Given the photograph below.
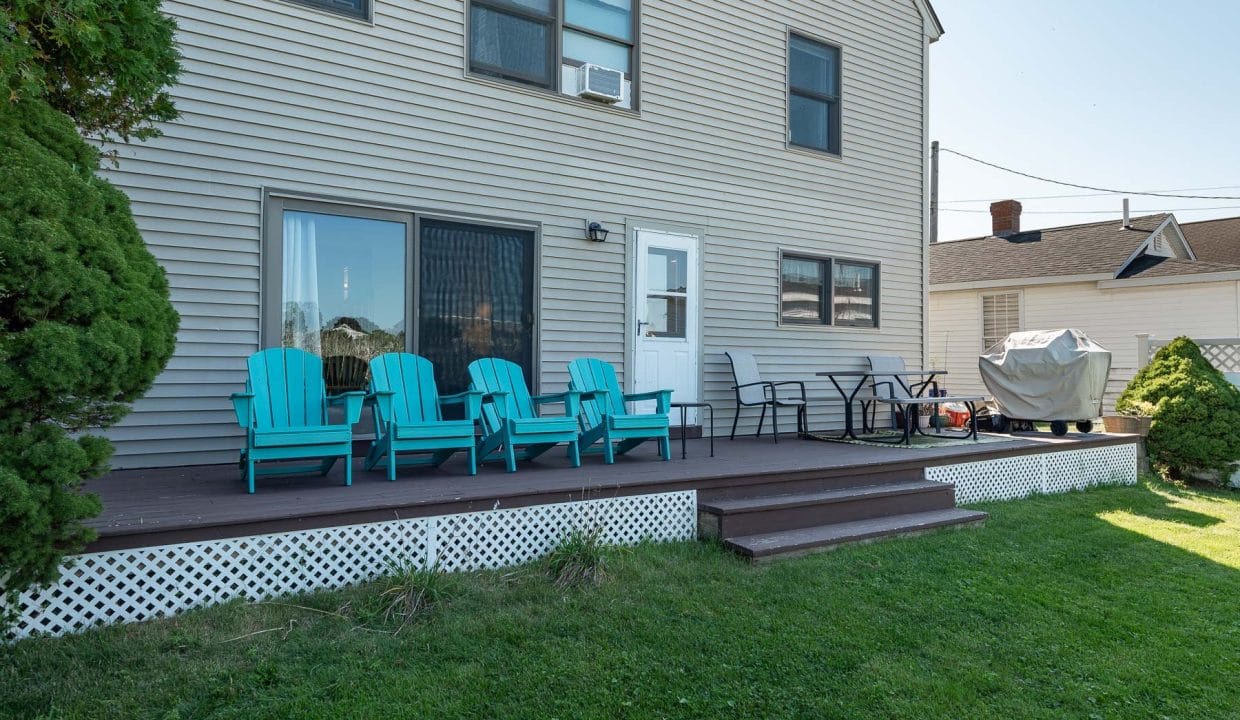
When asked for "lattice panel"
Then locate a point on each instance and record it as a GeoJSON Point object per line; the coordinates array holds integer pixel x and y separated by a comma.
{"type": "Point", "coordinates": [1224, 357]}
{"type": "Point", "coordinates": [144, 583]}
{"type": "Point", "coordinates": [1001, 479]}
{"type": "Point", "coordinates": [1054, 472]}
{"type": "Point", "coordinates": [1080, 469]}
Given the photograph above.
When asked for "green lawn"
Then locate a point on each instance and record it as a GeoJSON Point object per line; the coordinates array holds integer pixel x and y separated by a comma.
{"type": "Point", "coordinates": [1116, 603]}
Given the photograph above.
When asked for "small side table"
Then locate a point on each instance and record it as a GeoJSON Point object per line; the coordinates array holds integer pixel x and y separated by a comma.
{"type": "Point", "coordinates": [684, 415]}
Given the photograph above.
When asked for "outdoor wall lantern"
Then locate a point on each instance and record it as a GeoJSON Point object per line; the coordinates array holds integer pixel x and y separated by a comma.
{"type": "Point", "coordinates": [596, 232]}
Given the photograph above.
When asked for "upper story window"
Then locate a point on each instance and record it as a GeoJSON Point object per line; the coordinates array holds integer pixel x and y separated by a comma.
{"type": "Point", "coordinates": [541, 43]}
{"type": "Point", "coordinates": [823, 291]}
{"type": "Point", "coordinates": [813, 95]}
{"type": "Point", "coordinates": [353, 8]}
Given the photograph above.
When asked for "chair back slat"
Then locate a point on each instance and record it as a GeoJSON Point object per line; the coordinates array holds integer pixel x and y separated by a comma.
{"type": "Point", "coordinates": [887, 385]}
{"type": "Point", "coordinates": [490, 375]}
{"type": "Point", "coordinates": [412, 379]}
{"type": "Point", "coordinates": [288, 388]}
{"type": "Point", "coordinates": [744, 372]}
{"type": "Point", "coordinates": [591, 374]}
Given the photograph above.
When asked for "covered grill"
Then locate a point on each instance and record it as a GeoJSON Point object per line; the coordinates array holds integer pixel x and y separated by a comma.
{"type": "Point", "coordinates": [1054, 376]}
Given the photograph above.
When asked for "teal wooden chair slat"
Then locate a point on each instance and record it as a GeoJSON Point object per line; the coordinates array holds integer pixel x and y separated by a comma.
{"type": "Point", "coordinates": [510, 418]}
{"type": "Point", "coordinates": [605, 416]}
{"type": "Point", "coordinates": [408, 411]}
{"type": "Point", "coordinates": [284, 411]}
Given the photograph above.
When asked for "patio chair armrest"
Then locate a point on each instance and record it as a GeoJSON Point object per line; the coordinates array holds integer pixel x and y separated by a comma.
{"type": "Point", "coordinates": [662, 398]}
{"type": "Point", "coordinates": [351, 402]}
{"type": "Point", "coordinates": [570, 398]}
{"type": "Point", "coordinates": [243, 406]}
{"type": "Point", "coordinates": [381, 398]}
{"type": "Point", "coordinates": [891, 388]}
{"type": "Point", "coordinates": [798, 383]}
{"type": "Point", "coordinates": [752, 384]}
{"type": "Point", "coordinates": [471, 399]}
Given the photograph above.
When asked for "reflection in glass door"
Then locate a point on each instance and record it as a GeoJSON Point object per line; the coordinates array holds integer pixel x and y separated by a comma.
{"type": "Point", "coordinates": [343, 294]}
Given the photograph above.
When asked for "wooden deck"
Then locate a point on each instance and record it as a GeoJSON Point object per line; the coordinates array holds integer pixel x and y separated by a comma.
{"type": "Point", "coordinates": [169, 505]}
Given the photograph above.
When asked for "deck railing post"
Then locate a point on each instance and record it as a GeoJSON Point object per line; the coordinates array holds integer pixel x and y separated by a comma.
{"type": "Point", "coordinates": [1143, 350]}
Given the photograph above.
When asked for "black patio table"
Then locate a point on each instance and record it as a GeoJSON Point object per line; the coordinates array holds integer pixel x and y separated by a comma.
{"type": "Point", "coordinates": [862, 375]}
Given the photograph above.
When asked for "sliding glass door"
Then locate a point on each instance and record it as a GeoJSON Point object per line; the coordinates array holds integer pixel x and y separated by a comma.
{"type": "Point", "coordinates": [349, 283]}
{"type": "Point", "coordinates": [475, 299]}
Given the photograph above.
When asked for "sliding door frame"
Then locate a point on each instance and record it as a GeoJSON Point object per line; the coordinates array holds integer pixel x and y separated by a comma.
{"type": "Point", "coordinates": [271, 257]}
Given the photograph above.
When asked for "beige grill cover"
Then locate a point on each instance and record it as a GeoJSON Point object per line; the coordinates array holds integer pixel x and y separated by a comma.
{"type": "Point", "coordinates": [1047, 375]}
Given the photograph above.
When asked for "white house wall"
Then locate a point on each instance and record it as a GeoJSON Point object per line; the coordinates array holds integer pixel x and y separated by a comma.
{"type": "Point", "coordinates": [277, 95]}
{"type": "Point", "coordinates": [1111, 317]}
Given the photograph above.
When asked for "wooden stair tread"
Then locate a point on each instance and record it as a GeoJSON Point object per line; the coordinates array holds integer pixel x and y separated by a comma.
{"type": "Point", "coordinates": [825, 536]}
{"type": "Point", "coordinates": [821, 497]}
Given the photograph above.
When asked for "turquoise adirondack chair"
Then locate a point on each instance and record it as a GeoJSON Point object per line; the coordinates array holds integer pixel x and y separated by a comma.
{"type": "Point", "coordinates": [510, 418]}
{"type": "Point", "coordinates": [284, 413]}
{"type": "Point", "coordinates": [604, 415]}
{"type": "Point", "coordinates": [409, 415]}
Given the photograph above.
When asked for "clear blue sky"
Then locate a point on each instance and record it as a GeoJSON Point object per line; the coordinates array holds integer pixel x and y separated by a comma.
{"type": "Point", "coordinates": [1138, 95]}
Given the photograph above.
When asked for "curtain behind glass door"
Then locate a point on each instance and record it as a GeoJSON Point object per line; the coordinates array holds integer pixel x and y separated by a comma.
{"type": "Point", "coordinates": [476, 298]}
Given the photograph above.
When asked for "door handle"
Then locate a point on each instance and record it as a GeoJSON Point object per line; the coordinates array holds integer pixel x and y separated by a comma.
{"type": "Point", "coordinates": [640, 324]}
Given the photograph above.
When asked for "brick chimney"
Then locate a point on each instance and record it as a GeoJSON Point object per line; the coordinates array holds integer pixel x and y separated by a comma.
{"type": "Point", "coordinates": [1005, 218]}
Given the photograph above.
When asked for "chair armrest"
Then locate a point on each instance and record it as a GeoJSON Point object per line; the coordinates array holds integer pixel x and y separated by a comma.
{"type": "Point", "coordinates": [570, 398]}
{"type": "Point", "coordinates": [798, 383]}
{"type": "Point", "coordinates": [760, 382]}
{"type": "Point", "coordinates": [351, 402]}
{"type": "Point", "coordinates": [243, 406]}
{"type": "Point", "coordinates": [662, 398]}
{"type": "Point", "coordinates": [471, 399]}
{"type": "Point", "coordinates": [499, 399]}
{"type": "Point", "coordinates": [382, 398]}
{"type": "Point", "coordinates": [891, 388]}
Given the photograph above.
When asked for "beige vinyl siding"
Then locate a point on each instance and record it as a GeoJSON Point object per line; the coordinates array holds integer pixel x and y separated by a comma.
{"type": "Point", "coordinates": [279, 96]}
{"type": "Point", "coordinates": [1112, 317]}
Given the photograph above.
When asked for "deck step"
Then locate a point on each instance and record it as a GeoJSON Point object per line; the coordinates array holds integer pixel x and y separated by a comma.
{"type": "Point", "coordinates": [754, 515]}
{"type": "Point", "coordinates": [801, 541]}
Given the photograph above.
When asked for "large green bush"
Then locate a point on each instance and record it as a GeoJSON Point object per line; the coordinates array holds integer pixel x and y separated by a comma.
{"type": "Point", "coordinates": [107, 64]}
{"type": "Point", "coordinates": [1195, 410]}
{"type": "Point", "coordinates": [85, 326]}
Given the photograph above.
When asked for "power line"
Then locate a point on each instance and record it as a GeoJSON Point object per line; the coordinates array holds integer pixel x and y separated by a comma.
{"type": "Point", "coordinates": [1111, 211]}
{"type": "Point", "coordinates": [1085, 195]}
{"type": "Point", "coordinates": [1086, 187]}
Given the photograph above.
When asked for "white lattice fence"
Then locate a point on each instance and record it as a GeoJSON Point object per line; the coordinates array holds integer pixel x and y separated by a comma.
{"type": "Point", "coordinates": [1223, 353]}
{"type": "Point", "coordinates": [143, 583]}
{"type": "Point", "coordinates": [1054, 472]}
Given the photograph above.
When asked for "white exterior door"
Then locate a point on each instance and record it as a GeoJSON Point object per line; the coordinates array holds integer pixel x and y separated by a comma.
{"type": "Point", "coordinates": [665, 315]}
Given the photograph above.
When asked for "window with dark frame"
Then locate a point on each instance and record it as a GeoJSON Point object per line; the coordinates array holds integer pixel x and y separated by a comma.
{"type": "Point", "coordinates": [826, 291]}
{"type": "Point", "coordinates": [525, 41]}
{"type": "Point", "coordinates": [813, 94]}
{"type": "Point", "coordinates": [352, 8]}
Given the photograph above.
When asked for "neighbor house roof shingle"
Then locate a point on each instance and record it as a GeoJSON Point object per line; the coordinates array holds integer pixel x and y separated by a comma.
{"type": "Point", "coordinates": [1090, 249]}
{"type": "Point", "coordinates": [1214, 240]}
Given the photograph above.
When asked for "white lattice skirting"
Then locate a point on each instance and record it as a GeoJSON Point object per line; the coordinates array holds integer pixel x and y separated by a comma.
{"type": "Point", "coordinates": [1053, 472]}
{"type": "Point", "coordinates": [143, 583]}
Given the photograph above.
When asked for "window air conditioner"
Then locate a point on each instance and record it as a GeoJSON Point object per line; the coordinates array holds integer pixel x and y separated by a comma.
{"type": "Point", "coordinates": [600, 83]}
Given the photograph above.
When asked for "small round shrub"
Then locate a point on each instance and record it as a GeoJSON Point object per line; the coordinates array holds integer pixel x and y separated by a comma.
{"type": "Point", "coordinates": [1195, 411]}
{"type": "Point", "coordinates": [85, 326]}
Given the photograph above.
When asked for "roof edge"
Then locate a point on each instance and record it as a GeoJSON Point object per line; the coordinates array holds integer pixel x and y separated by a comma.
{"type": "Point", "coordinates": [931, 25]}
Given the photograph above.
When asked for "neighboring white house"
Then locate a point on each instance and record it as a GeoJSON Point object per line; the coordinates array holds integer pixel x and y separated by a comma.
{"type": "Point", "coordinates": [356, 176]}
{"type": "Point", "coordinates": [1111, 279]}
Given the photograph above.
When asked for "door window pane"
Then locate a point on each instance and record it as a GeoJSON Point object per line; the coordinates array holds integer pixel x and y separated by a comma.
{"type": "Point", "coordinates": [476, 298]}
{"type": "Point", "coordinates": [667, 271]}
{"type": "Point", "coordinates": [510, 46]}
{"type": "Point", "coordinates": [589, 49]}
{"type": "Point", "coordinates": [611, 17]}
{"type": "Point", "coordinates": [666, 316]}
{"type": "Point", "coordinates": [854, 295]}
{"type": "Point", "coordinates": [801, 290]}
{"type": "Point", "coordinates": [343, 292]}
